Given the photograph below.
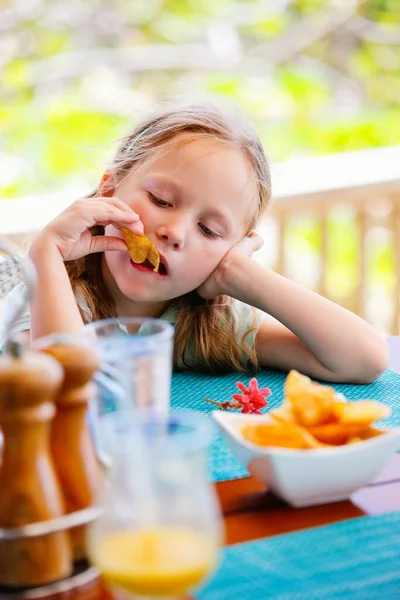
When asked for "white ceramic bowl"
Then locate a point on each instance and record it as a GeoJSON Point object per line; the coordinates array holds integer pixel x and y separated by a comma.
{"type": "Point", "coordinates": [307, 477]}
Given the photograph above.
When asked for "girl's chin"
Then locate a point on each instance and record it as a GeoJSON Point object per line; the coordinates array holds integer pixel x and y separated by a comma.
{"type": "Point", "coordinates": [136, 296]}
{"type": "Point", "coordinates": [149, 298]}
{"type": "Point", "coordinates": [139, 294]}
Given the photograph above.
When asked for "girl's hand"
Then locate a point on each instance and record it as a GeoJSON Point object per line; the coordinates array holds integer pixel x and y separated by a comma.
{"type": "Point", "coordinates": [69, 232]}
{"type": "Point", "coordinates": [220, 281]}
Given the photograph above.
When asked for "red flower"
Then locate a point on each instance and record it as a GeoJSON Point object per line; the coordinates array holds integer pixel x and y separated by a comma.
{"type": "Point", "coordinates": [251, 399]}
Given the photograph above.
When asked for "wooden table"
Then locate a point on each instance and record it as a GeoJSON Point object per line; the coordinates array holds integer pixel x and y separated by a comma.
{"type": "Point", "coordinates": [251, 512]}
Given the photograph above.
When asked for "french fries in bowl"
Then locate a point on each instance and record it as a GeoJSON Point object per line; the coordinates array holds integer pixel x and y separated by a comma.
{"type": "Point", "coordinates": [315, 447]}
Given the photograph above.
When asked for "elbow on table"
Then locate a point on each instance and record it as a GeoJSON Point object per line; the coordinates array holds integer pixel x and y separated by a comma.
{"type": "Point", "coordinates": [373, 362]}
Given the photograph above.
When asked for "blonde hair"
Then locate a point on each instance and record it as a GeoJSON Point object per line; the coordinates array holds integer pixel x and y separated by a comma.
{"type": "Point", "coordinates": [208, 326]}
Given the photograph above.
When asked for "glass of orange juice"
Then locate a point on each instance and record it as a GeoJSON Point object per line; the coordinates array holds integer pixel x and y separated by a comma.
{"type": "Point", "coordinates": [160, 530]}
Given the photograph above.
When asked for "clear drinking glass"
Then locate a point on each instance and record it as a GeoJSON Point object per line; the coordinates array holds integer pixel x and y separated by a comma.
{"type": "Point", "coordinates": [160, 529]}
{"type": "Point", "coordinates": [136, 369]}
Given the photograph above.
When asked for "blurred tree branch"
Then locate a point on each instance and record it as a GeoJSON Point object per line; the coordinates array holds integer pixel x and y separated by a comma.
{"type": "Point", "coordinates": [216, 55]}
{"type": "Point", "coordinates": [307, 31]}
{"type": "Point", "coordinates": [373, 32]}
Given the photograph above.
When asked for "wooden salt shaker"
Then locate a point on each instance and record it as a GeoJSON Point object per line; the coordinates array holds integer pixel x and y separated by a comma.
{"type": "Point", "coordinates": [29, 490]}
{"type": "Point", "coordinates": [75, 459]}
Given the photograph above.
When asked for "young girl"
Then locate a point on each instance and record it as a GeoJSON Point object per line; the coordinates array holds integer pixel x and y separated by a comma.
{"type": "Point", "coordinates": [196, 183]}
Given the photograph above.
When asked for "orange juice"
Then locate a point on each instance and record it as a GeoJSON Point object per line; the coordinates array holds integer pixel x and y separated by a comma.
{"type": "Point", "coordinates": [160, 562]}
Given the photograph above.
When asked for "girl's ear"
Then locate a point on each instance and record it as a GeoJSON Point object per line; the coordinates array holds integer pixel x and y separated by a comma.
{"type": "Point", "coordinates": [106, 185]}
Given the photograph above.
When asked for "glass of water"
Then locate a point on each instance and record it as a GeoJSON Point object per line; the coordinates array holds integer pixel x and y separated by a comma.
{"type": "Point", "coordinates": [135, 371]}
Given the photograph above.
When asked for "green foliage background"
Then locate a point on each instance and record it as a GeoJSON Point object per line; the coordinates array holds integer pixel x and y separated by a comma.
{"type": "Point", "coordinates": [340, 92]}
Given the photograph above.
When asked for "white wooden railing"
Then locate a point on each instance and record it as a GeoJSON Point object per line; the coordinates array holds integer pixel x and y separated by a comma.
{"type": "Point", "coordinates": [364, 186]}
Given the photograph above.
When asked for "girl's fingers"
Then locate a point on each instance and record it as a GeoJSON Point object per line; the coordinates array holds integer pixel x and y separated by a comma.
{"type": "Point", "coordinates": [256, 241]}
{"type": "Point", "coordinates": [100, 213]}
{"type": "Point", "coordinates": [132, 222]}
{"type": "Point", "coordinates": [114, 201]}
{"type": "Point", "coordinates": [102, 243]}
{"type": "Point", "coordinates": [135, 227]}
{"type": "Point", "coordinates": [251, 243]}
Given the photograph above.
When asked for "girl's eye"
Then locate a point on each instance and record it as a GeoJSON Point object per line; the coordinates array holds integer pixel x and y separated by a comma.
{"type": "Point", "coordinates": [157, 201]}
{"type": "Point", "coordinates": [207, 232]}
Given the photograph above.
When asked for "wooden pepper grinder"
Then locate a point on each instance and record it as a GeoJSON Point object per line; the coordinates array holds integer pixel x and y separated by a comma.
{"type": "Point", "coordinates": [29, 490]}
{"type": "Point", "coordinates": [75, 459]}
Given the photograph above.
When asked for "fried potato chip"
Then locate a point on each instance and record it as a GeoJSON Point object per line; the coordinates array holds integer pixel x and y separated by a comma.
{"type": "Point", "coordinates": [295, 384]}
{"type": "Point", "coordinates": [316, 416]}
{"type": "Point", "coordinates": [336, 434]}
{"type": "Point", "coordinates": [154, 257]}
{"type": "Point", "coordinates": [363, 412]}
{"type": "Point", "coordinates": [312, 403]}
{"type": "Point", "coordinates": [354, 440]}
{"type": "Point", "coordinates": [140, 248]}
{"type": "Point", "coordinates": [314, 406]}
{"type": "Point", "coordinates": [370, 432]}
{"type": "Point", "coordinates": [284, 413]}
{"type": "Point", "coordinates": [281, 435]}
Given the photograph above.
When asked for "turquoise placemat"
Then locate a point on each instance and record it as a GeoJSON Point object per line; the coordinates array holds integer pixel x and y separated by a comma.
{"type": "Point", "coordinates": [352, 560]}
{"type": "Point", "coordinates": [190, 389]}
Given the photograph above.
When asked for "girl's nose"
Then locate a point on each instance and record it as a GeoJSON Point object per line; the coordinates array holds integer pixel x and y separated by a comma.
{"type": "Point", "coordinates": [172, 234]}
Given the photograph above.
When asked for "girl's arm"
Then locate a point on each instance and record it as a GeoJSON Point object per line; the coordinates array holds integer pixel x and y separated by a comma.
{"type": "Point", "coordinates": [53, 307]}
{"type": "Point", "coordinates": [308, 333]}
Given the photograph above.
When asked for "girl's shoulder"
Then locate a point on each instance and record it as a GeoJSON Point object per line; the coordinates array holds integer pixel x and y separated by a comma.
{"type": "Point", "coordinates": [246, 317]}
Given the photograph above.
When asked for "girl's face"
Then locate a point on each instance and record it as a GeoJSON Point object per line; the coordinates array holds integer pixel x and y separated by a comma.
{"type": "Point", "coordinates": [195, 201]}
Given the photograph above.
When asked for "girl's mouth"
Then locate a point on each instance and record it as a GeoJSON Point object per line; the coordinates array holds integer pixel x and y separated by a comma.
{"type": "Point", "coordinates": [147, 266]}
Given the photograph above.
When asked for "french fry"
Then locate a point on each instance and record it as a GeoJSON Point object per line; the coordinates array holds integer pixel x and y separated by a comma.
{"type": "Point", "coordinates": [140, 248]}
